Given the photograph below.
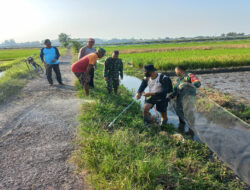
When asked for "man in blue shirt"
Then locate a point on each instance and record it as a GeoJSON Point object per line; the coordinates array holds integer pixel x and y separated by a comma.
{"type": "Point", "coordinates": [49, 56]}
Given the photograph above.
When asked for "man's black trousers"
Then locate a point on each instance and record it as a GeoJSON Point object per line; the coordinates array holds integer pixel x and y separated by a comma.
{"type": "Point", "coordinates": [91, 74]}
{"type": "Point", "coordinates": [56, 69]}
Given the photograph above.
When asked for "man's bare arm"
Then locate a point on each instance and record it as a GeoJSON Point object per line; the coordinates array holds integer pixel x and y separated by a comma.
{"type": "Point", "coordinates": [81, 53]}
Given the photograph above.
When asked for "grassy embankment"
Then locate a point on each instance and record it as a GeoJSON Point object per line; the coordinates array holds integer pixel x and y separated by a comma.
{"type": "Point", "coordinates": [16, 72]}
{"type": "Point", "coordinates": [197, 55]}
{"type": "Point", "coordinates": [131, 156]}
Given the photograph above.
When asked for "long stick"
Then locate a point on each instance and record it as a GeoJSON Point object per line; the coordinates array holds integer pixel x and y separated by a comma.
{"type": "Point", "coordinates": [121, 113]}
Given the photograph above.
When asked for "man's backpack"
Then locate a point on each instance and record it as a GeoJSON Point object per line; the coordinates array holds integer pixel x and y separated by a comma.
{"type": "Point", "coordinates": [169, 82]}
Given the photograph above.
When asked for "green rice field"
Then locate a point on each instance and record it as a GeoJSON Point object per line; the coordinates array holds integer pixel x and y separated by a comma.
{"type": "Point", "coordinates": [199, 55]}
{"type": "Point", "coordinates": [12, 54]}
{"type": "Point", "coordinates": [10, 57]}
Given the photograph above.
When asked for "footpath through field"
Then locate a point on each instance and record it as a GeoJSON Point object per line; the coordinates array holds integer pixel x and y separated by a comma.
{"type": "Point", "coordinates": [36, 132]}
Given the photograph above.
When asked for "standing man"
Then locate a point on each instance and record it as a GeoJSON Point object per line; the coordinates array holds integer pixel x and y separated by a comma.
{"type": "Point", "coordinates": [49, 56]}
{"type": "Point", "coordinates": [159, 85]}
{"type": "Point", "coordinates": [113, 67]}
{"type": "Point", "coordinates": [185, 91]}
{"type": "Point", "coordinates": [82, 68]}
{"type": "Point", "coordinates": [85, 51]}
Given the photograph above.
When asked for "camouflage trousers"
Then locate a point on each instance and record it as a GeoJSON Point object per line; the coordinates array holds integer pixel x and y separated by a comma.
{"type": "Point", "coordinates": [185, 104]}
{"type": "Point", "coordinates": [112, 83]}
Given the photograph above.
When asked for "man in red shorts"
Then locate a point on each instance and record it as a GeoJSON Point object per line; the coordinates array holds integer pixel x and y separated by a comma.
{"type": "Point", "coordinates": [82, 68]}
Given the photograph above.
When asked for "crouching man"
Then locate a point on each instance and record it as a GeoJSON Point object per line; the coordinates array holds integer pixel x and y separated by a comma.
{"type": "Point", "coordinates": [159, 85]}
{"type": "Point", "coordinates": [82, 68]}
{"type": "Point", "coordinates": [185, 91]}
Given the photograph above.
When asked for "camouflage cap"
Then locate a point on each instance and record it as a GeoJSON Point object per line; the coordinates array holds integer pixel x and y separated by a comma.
{"type": "Point", "coordinates": [102, 51]}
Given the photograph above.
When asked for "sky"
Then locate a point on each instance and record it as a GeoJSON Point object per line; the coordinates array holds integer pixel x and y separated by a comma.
{"type": "Point", "coordinates": [32, 20]}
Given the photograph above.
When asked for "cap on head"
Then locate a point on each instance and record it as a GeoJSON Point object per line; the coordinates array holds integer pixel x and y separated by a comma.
{"type": "Point", "coordinates": [91, 40]}
{"type": "Point", "coordinates": [102, 51]}
{"type": "Point", "coordinates": [116, 52]}
{"type": "Point", "coordinates": [47, 41]}
{"type": "Point", "coordinates": [149, 68]}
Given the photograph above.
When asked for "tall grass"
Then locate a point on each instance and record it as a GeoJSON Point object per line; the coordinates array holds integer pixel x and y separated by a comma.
{"type": "Point", "coordinates": [133, 157]}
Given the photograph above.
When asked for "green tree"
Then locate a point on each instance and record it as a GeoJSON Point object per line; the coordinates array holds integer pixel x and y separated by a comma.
{"type": "Point", "coordinates": [76, 45]}
{"type": "Point", "coordinates": [64, 39]}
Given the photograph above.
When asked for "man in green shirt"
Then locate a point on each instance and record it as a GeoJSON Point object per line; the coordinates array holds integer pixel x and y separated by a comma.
{"type": "Point", "coordinates": [184, 90]}
{"type": "Point", "coordinates": [113, 68]}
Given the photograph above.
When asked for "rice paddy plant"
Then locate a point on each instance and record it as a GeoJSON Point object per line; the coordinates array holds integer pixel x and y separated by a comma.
{"type": "Point", "coordinates": [192, 59]}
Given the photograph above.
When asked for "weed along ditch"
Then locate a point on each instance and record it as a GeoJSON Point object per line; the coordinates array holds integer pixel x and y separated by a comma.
{"type": "Point", "coordinates": [130, 155]}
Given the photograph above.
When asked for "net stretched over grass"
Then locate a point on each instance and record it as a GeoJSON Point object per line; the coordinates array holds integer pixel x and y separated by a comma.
{"type": "Point", "coordinates": [225, 134]}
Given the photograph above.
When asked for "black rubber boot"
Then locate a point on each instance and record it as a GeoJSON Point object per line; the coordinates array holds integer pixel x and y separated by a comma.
{"type": "Point", "coordinates": [181, 126]}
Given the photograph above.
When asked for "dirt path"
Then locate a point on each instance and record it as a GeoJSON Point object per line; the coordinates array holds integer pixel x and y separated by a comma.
{"type": "Point", "coordinates": [36, 132]}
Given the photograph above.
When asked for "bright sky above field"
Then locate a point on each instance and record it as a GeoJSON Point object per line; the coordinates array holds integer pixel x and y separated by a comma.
{"type": "Point", "coordinates": [30, 20]}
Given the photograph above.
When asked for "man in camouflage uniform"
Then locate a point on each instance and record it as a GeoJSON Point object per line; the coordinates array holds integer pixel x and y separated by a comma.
{"type": "Point", "coordinates": [185, 90]}
{"type": "Point", "coordinates": [113, 67]}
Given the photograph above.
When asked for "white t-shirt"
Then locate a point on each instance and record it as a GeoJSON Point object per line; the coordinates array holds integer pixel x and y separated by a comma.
{"type": "Point", "coordinates": [155, 85]}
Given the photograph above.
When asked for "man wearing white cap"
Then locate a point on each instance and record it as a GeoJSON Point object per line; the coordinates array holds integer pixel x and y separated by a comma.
{"type": "Point", "coordinates": [85, 51]}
